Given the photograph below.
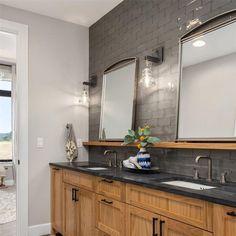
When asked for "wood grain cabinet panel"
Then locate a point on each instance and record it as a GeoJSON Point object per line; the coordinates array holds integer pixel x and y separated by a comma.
{"type": "Point", "coordinates": [69, 211]}
{"type": "Point", "coordinates": [110, 188]}
{"type": "Point", "coordinates": [86, 213]}
{"type": "Point", "coordinates": [79, 211]}
{"type": "Point", "coordinates": [100, 233]}
{"type": "Point", "coordinates": [192, 211]}
{"type": "Point", "coordinates": [169, 227]}
{"type": "Point", "coordinates": [78, 179]}
{"type": "Point", "coordinates": [110, 216]}
{"type": "Point", "coordinates": [56, 200]}
{"type": "Point", "coordinates": [141, 222]}
{"type": "Point", "coordinates": [224, 221]}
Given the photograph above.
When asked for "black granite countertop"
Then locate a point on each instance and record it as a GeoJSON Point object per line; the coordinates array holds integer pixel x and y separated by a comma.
{"type": "Point", "coordinates": [222, 194]}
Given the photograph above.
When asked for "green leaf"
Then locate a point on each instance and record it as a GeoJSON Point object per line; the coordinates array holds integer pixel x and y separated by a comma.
{"type": "Point", "coordinates": [153, 140]}
{"type": "Point", "coordinates": [131, 133]}
{"type": "Point", "coordinates": [147, 131]}
{"type": "Point", "coordinates": [128, 139]}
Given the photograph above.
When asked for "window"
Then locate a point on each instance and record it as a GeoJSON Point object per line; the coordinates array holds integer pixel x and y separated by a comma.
{"type": "Point", "coordinates": [5, 114]}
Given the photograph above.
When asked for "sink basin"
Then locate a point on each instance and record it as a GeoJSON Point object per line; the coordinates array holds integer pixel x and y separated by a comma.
{"type": "Point", "coordinates": [189, 185]}
{"type": "Point", "coordinates": [96, 168]}
{"type": "Point", "coordinates": [91, 166]}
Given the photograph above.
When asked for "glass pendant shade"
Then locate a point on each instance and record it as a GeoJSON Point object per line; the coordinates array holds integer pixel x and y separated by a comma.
{"type": "Point", "coordinates": [147, 79]}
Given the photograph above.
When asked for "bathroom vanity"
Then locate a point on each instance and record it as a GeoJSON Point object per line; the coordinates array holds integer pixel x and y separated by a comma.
{"type": "Point", "coordinates": [90, 199]}
{"type": "Point", "coordinates": [113, 202]}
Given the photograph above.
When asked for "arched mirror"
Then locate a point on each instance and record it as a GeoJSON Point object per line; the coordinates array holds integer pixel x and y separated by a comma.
{"type": "Point", "coordinates": [207, 95]}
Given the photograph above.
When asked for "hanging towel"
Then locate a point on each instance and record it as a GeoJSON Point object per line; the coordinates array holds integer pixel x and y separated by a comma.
{"type": "Point", "coordinates": [71, 145]}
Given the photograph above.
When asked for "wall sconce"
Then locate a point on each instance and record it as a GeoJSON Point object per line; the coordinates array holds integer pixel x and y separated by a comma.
{"type": "Point", "coordinates": [84, 98]}
{"type": "Point", "coordinates": [147, 74]}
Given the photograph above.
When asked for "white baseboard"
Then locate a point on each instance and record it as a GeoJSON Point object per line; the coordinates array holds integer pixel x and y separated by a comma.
{"type": "Point", "coordinates": [9, 182]}
{"type": "Point", "coordinates": [38, 230]}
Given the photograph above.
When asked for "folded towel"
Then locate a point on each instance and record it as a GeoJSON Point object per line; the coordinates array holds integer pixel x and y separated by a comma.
{"type": "Point", "coordinates": [71, 145]}
{"type": "Point", "coordinates": [128, 164]}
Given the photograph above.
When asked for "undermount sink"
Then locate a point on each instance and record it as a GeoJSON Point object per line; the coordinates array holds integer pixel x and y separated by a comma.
{"type": "Point", "coordinates": [189, 185]}
{"type": "Point", "coordinates": [96, 168]}
{"type": "Point", "coordinates": [91, 166]}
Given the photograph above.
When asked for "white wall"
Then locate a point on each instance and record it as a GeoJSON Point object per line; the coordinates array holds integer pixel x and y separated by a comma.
{"type": "Point", "coordinates": [58, 63]}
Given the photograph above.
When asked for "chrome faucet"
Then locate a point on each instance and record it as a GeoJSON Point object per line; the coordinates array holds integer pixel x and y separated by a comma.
{"type": "Point", "coordinates": [209, 178]}
{"type": "Point", "coordinates": [115, 155]}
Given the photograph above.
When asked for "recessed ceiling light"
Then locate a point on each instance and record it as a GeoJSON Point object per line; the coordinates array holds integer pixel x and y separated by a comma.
{"type": "Point", "coordinates": [199, 43]}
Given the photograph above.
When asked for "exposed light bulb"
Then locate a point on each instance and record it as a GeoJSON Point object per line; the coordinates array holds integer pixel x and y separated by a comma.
{"type": "Point", "coordinates": [199, 43]}
{"type": "Point", "coordinates": [84, 98]}
{"type": "Point", "coordinates": [147, 76]}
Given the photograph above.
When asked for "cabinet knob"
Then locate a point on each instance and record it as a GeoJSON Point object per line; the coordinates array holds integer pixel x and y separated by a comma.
{"type": "Point", "coordinates": [232, 213]}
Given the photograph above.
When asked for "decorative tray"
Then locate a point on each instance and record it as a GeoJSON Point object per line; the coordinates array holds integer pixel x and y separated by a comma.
{"type": "Point", "coordinates": [152, 170]}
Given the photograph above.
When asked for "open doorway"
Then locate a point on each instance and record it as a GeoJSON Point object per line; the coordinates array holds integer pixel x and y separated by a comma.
{"type": "Point", "coordinates": [7, 157]}
{"type": "Point", "coordinates": [14, 108]}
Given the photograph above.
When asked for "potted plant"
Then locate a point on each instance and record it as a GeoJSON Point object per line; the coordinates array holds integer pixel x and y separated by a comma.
{"type": "Point", "coordinates": [142, 137]}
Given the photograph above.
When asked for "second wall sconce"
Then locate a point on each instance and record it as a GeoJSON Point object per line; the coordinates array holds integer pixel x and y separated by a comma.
{"type": "Point", "coordinates": [156, 58]}
{"type": "Point", "coordinates": [84, 99]}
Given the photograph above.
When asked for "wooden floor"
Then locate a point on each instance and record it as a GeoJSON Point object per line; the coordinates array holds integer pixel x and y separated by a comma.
{"type": "Point", "coordinates": [8, 229]}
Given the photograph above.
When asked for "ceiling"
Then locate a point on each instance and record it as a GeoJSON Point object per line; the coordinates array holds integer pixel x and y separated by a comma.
{"type": "Point", "coordinates": [219, 43]}
{"type": "Point", "coordinates": [82, 12]}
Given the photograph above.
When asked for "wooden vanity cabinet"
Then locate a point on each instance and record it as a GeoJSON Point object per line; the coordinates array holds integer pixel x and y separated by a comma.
{"type": "Point", "coordinates": [170, 227]}
{"type": "Point", "coordinates": [110, 216]}
{"type": "Point", "coordinates": [56, 200]}
{"type": "Point", "coordinates": [188, 210]}
{"type": "Point", "coordinates": [141, 222]}
{"type": "Point", "coordinates": [224, 221]}
{"type": "Point", "coordinates": [85, 205]}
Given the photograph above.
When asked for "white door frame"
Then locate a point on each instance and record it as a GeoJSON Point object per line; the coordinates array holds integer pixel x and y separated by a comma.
{"type": "Point", "coordinates": [20, 129]}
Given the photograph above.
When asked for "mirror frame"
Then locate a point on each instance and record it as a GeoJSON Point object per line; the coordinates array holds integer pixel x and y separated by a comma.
{"type": "Point", "coordinates": [210, 25]}
{"type": "Point", "coordinates": [113, 67]}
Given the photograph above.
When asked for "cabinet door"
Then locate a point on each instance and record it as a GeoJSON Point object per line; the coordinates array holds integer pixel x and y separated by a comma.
{"type": "Point", "coordinates": [141, 222]}
{"type": "Point", "coordinates": [169, 227]}
{"type": "Point", "coordinates": [85, 213]}
{"type": "Point", "coordinates": [70, 210]}
{"type": "Point", "coordinates": [56, 200]}
{"type": "Point", "coordinates": [224, 221]}
{"type": "Point", "coordinates": [110, 216]}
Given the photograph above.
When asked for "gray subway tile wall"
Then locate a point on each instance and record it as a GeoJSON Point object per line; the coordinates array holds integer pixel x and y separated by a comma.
{"type": "Point", "coordinates": [137, 28]}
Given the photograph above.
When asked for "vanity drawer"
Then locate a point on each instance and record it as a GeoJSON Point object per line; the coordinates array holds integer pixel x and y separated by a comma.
{"type": "Point", "coordinates": [79, 179]}
{"type": "Point", "coordinates": [224, 220]}
{"type": "Point", "coordinates": [110, 188]}
{"type": "Point", "coordinates": [188, 210]}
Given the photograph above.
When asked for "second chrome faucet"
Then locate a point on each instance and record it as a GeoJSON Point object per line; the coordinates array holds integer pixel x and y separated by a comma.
{"type": "Point", "coordinates": [209, 175]}
{"type": "Point", "coordinates": [115, 157]}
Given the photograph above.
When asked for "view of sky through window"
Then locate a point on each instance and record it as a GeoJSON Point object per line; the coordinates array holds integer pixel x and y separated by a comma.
{"type": "Point", "coordinates": [5, 118]}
